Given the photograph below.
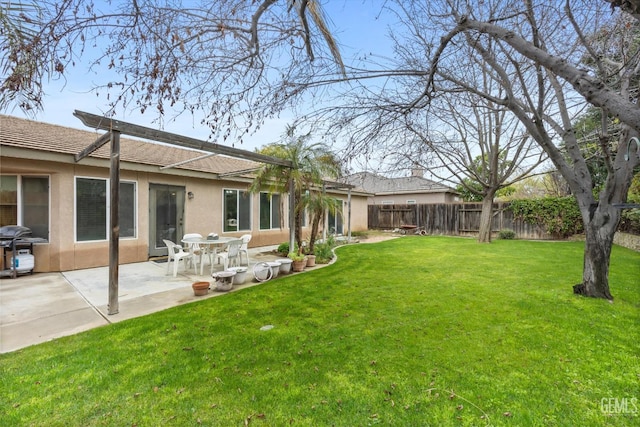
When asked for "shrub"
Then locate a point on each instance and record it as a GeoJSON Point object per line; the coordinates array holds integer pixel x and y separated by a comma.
{"type": "Point", "coordinates": [295, 256]}
{"type": "Point", "coordinates": [630, 221]}
{"type": "Point", "coordinates": [558, 215]}
{"type": "Point", "coordinates": [507, 235]}
{"type": "Point", "coordinates": [283, 248]}
{"type": "Point", "coordinates": [323, 253]}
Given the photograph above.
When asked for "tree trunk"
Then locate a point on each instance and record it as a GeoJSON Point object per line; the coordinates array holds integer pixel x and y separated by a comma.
{"type": "Point", "coordinates": [599, 232]}
{"type": "Point", "coordinates": [315, 225]}
{"type": "Point", "coordinates": [486, 218]}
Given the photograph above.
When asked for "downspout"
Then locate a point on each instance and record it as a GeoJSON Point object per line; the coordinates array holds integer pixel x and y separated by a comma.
{"type": "Point", "coordinates": [325, 217]}
{"type": "Point", "coordinates": [349, 215]}
{"type": "Point", "coordinates": [292, 209]}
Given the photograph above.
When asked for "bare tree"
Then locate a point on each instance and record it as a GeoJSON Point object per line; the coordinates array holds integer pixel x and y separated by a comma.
{"type": "Point", "coordinates": [229, 59]}
{"type": "Point", "coordinates": [476, 143]}
{"type": "Point", "coordinates": [546, 62]}
{"type": "Point", "coordinates": [569, 50]}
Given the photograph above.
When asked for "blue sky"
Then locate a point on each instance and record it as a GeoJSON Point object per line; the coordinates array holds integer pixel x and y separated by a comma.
{"type": "Point", "coordinates": [355, 24]}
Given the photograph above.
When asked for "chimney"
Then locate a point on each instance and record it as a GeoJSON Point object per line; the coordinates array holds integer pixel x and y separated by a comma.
{"type": "Point", "coordinates": [417, 173]}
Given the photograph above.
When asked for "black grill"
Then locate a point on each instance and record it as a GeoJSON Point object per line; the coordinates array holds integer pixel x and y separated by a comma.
{"type": "Point", "coordinates": [12, 237]}
{"type": "Point", "coordinates": [14, 232]}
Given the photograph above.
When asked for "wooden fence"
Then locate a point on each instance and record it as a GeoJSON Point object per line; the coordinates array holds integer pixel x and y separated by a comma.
{"type": "Point", "coordinates": [459, 219]}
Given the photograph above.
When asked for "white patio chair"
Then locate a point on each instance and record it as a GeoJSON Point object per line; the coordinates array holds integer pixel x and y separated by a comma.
{"type": "Point", "coordinates": [194, 248]}
{"type": "Point", "coordinates": [176, 254]}
{"type": "Point", "coordinates": [208, 251]}
{"type": "Point", "coordinates": [231, 255]}
{"type": "Point", "coordinates": [244, 248]}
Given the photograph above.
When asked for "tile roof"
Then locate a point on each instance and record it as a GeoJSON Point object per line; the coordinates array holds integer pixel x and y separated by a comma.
{"type": "Point", "coordinates": [22, 133]}
{"type": "Point", "coordinates": [378, 184]}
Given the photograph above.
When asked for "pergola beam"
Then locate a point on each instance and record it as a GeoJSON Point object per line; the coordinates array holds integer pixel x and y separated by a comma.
{"type": "Point", "coordinates": [114, 128]}
{"type": "Point", "coordinates": [100, 122]}
{"type": "Point", "coordinates": [102, 140]}
{"type": "Point", "coordinates": [184, 162]}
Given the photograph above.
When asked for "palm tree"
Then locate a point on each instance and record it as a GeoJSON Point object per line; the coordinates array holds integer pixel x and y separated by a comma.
{"type": "Point", "coordinates": [312, 162]}
{"type": "Point", "coordinates": [315, 12]}
{"type": "Point", "coordinates": [318, 203]}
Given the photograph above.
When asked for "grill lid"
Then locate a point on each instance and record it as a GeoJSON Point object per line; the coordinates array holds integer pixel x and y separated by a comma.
{"type": "Point", "coordinates": [14, 232]}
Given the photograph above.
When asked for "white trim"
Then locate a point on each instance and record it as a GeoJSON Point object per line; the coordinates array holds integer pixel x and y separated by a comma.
{"type": "Point", "coordinates": [107, 207]}
{"type": "Point", "coordinates": [271, 225]}
{"type": "Point", "coordinates": [19, 201]}
{"type": "Point", "coordinates": [136, 215]}
{"type": "Point", "coordinates": [224, 213]}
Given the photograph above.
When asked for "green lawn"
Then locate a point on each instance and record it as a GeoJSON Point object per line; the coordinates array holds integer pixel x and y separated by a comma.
{"type": "Point", "coordinates": [414, 331]}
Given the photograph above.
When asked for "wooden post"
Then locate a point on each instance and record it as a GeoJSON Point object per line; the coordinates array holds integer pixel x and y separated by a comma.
{"type": "Point", "coordinates": [114, 238]}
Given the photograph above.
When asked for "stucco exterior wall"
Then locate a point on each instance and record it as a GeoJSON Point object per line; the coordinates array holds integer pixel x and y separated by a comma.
{"type": "Point", "coordinates": [202, 214]}
{"type": "Point", "coordinates": [359, 214]}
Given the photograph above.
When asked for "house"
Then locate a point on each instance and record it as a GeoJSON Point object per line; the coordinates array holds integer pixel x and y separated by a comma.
{"type": "Point", "coordinates": [165, 192]}
{"type": "Point", "coordinates": [414, 189]}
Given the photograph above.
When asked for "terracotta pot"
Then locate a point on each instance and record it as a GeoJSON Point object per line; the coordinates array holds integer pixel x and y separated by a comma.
{"type": "Point", "coordinates": [200, 288]}
{"type": "Point", "coordinates": [311, 260]}
{"type": "Point", "coordinates": [299, 265]}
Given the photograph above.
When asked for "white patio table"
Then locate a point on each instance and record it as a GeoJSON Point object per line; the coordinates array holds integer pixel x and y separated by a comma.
{"type": "Point", "coordinates": [210, 245]}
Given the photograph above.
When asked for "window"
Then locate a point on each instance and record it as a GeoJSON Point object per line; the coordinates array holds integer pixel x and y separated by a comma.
{"type": "Point", "coordinates": [237, 210]}
{"type": "Point", "coordinates": [127, 209]}
{"type": "Point", "coordinates": [335, 220]}
{"type": "Point", "coordinates": [24, 200]}
{"type": "Point", "coordinates": [92, 209]}
{"type": "Point", "coordinates": [269, 211]}
{"type": "Point", "coordinates": [8, 200]}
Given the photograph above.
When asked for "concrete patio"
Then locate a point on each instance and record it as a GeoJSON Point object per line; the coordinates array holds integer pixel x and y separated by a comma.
{"type": "Point", "coordinates": [44, 306]}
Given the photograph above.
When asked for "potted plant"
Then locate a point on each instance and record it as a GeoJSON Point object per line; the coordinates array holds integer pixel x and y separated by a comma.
{"type": "Point", "coordinates": [311, 260]}
{"type": "Point", "coordinates": [299, 261]}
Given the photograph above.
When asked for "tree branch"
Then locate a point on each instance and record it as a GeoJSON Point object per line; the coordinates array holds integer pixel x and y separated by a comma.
{"type": "Point", "coordinates": [593, 90]}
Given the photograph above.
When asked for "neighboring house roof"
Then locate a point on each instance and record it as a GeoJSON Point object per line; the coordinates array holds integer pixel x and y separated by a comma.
{"type": "Point", "coordinates": [33, 135]}
{"type": "Point", "coordinates": [380, 185]}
